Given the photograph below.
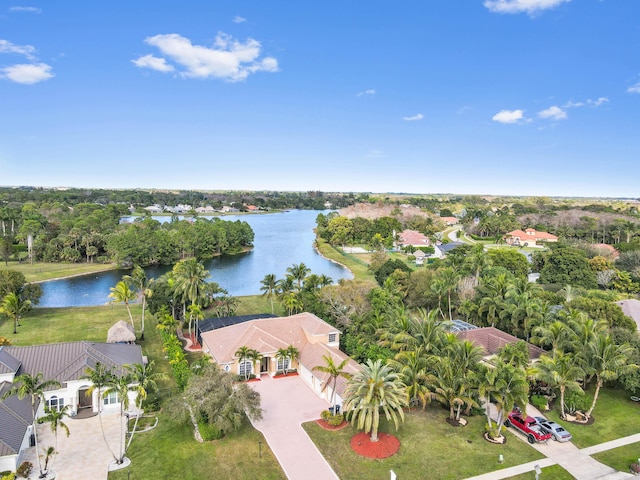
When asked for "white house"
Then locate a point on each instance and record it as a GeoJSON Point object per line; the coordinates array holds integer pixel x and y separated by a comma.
{"type": "Point", "coordinates": [66, 363]}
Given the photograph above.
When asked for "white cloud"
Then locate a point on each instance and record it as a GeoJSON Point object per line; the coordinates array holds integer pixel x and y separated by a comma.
{"type": "Point", "coordinates": [597, 102]}
{"type": "Point", "coordinates": [27, 74]}
{"type": "Point", "coordinates": [634, 88]}
{"type": "Point", "coordinates": [229, 59]}
{"type": "Point", "coordinates": [414, 118]}
{"type": "Point", "coordinates": [371, 91]}
{"type": "Point", "coordinates": [508, 116]}
{"type": "Point", "coordinates": [554, 113]}
{"type": "Point", "coordinates": [572, 104]}
{"type": "Point", "coordinates": [239, 19]}
{"type": "Point", "coordinates": [521, 6]}
{"type": "Point", "coordinates": [25, 9]}
{"type": "Point", "coordinates": [26, 50]}
{"type": "Point", "coordinates": [154, 63]}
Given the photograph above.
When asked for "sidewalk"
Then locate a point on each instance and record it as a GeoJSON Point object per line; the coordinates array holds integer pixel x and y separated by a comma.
{"type": "Point", "coordinates": [577, 462]}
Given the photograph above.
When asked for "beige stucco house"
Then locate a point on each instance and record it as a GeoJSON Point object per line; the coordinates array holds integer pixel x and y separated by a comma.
{"type": "Point", "coordinates": [311, 336]}
{"type": "Point", "coordinates": [529, 238]}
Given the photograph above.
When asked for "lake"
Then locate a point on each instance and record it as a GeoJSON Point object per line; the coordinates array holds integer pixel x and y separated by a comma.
{"type": "Point", "coordinates": [281, 239]}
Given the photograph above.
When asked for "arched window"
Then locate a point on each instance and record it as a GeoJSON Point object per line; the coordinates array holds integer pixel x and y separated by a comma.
{"type": "Point", "coordinates": [55, 403]}
{"type": "Point", "coordinates": [227, 368]}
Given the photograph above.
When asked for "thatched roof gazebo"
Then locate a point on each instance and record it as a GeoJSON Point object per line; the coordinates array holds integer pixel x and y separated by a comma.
{"type": "Point", "coordinates": [121, 332]}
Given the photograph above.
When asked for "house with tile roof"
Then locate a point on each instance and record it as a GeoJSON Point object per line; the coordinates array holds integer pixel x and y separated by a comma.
{"type": "Point", "coordinates": [313, 337]}
{"type": "Point", "coordinates": [450, 220]}
{"type": "Point", "coordinates": [66, 363]}
{"type": "Point", "coordinates": [491, 340]}
{"type": "Point", "coordinates": [413, 238]}
{"type": "Point", "coordinates": [529, 238]}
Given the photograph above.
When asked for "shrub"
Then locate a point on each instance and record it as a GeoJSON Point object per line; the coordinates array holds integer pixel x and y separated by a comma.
{"type": "Point", "coordinates": [325, 414]}
{"type": "Point", "coordinates": [335, 420]}
{"type": "Point", "coordinates": [209, 432]}
{"type": "Point", "coordinates": [7, 476]}
{"type": "Point", "coordinates": [575, 401]}
{"type": "Point", "coordinates": [540, 402]}
{"type": "Point", "coordinates": [24, 470]}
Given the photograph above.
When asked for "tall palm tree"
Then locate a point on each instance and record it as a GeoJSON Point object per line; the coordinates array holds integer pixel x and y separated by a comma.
{"type": "Point", "coordinates": [33, 386]}
{"type": "Point", "coordinates": [122, 293]}
{"type": "Point", "coordinates": [560, 371]}
{"type": "Point", "coordinates": [120, 385]}
{"type": "Point", "coordinates": [334, 371]}
{"type": "Point", "coordinates": [195, 314]}
{"type": "Point", "coordinates": [55, 418]}
{"type": "Point", "coordinates": [449, 387]}
{"type": "Point", "coordinates": [606, 361]}
{"type": "Point", "coordinates": [555, 335]}
{"type": "Point", "coordinates": [256, 357]}
{"type": "Point", "coordinates": [144, 380]}
{"type": "Point", "coordinates": [190, 281]}
{"type": "Point", "coordinates": [376, 387]}
{"type": "Point", "coordinates": [13, 307]}
{"type": "Point", "coordinates": [293, 354]}
{"type": "Point", "coordinates": [269, 287]}
{"type": "Point", "coordinates": [298, 272]}
{"type": "Point", "coordinates": [243, 353]}
{"type": "Point", "coordinates": [101, 378]}
{"type": "Point", "coordinates": [138, 279]}
{"type": "Point", "coordinates": [412, 369]}
{"type": "Point", "coordinates": [282, 354]}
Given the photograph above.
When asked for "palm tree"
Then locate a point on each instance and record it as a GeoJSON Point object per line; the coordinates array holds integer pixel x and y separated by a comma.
{"type": "Point", "coordinates": [282, 354]}
{"type": "Point", "coordinates": [142, 284]}
{"type": "Point", "coordinates": [190, 281]}
{"type": "Point", "coordinates": [269, 287]}
{"type": "Point", "coordinates": [291, 302]}
{"type": "Point", "coordinates": [256, 357]}
{"type": "Point", "coordinates": [101, 377]}
{"type": "Point", "coordinates": [13, 307]}
{"type": "Point", "coordinates": [120, 386]}
{"type": "Point", "coordinates": [122, 293]}
{"type": "Point", "coordinates": [195, 313]}
{"type": "Point", "coordinates": [243, 353]}
{"type": "Point", "coordinates": [607, 361]}
{"type": "Point", "coordinates": [412, 369]}
{"type": "Point", "coordinates": [144, 380]}
{"type": "Point", "coordinates": [298, 272]}
{"type": "Point", "coordinates": [334, 371]}
{"type": "Point", "coordinates": [449, 387]}
{"type": "Point", "coordinates": [293, 354]}
{"type": "Point", "coordinates": [373, 388]}
{"type": "Point", "coordinates": [55, 418]}
{"type": "Point", "coordinates": [555, 335]}
{"type": "Point", "coordinates": [560, 371]}
{"type": "Point", "coordinates": [33, 386]}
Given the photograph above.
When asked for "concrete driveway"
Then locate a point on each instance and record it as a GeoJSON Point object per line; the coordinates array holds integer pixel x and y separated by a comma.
{"type": "Point", "coordinates": [287, 403]}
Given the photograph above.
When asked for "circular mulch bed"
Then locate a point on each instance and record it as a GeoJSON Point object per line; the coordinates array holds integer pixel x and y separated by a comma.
{"type": "Point", "coordinates": [326, 426]}
{"type": "Point", "coordinates": [386, 445]}
{"type": "Point", "coordinates": [501, 440]}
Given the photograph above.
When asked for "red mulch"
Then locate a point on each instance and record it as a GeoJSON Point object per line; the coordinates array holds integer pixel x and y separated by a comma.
{"type": "Point", "coordinates": [386, 446]}
{"type": "Point", "coordinates": [326, 426]}
{"type": "Point", "coordinates": [282, 375]}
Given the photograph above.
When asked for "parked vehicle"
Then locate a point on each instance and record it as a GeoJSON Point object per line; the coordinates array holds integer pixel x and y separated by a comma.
{"type": "Point", "coordinates": [558, 431]}
{"type": "Point", "coordinates": [527, 425]}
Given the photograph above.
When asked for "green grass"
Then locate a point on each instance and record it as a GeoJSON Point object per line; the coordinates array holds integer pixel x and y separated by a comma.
{"type": "Point", "coordinates": [169, 451]}
{"type": "Point", "coordinates": [429, 446]}
{"type": "Point", "coordinates": [555, 472]}
{"type": "Point", "coordinates": [620, 458]}
{"type": "Point", "coordinates": [41, 271]}
{"type": "Point", "coordinates": [612, 413]}
{"type": "Point", "coordinates": [360, 272]}
{"type": "Point", "coordinates": [251, 304]}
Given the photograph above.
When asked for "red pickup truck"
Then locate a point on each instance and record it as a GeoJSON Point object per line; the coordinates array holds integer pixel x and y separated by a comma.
{"type": "Point", "coordinates": [528, 426]}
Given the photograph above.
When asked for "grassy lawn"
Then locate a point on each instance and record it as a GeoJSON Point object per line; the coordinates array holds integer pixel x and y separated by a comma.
{"type": "Point", "coordinates": [555, 472]}
{"type": "Point", "coordinates": [612, 414]}
{"type": "Point", "coordinates": [620, 458]}
{"type": "Point", "coordinates": [259, 304]}
{"type": "Point", "coordinates": [40, 271]}
{"type": "Point", "coordinates": [431, 448]}
{"type": "Point", "coordinates": [169, 451]}
{"type": "Point", "coordinates": [360, 271]}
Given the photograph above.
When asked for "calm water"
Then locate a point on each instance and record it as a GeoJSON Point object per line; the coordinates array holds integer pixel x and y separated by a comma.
{"type": "Point", "coordinates": [281, 239]}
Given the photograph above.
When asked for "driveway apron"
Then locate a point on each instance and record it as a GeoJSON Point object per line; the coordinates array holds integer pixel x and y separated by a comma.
{"type": "Point", "coordinates": [287, 402]}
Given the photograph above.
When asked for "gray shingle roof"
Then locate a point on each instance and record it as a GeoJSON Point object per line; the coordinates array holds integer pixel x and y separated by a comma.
{"type": "Point", "coordinates": [15, 418]}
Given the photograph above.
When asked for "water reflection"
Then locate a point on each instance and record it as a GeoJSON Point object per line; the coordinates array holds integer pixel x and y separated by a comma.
{"type": "Point", "coordinates": [281, 239]}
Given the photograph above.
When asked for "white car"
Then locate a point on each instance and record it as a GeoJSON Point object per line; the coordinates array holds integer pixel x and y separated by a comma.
{"type": "Point", "coordinates": [558, 431]}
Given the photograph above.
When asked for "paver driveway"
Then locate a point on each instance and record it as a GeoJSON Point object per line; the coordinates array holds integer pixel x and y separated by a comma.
{"type": "Point", "coordinates": [83, 454]}
{"type": "Point", "coordinates": [287, 403]}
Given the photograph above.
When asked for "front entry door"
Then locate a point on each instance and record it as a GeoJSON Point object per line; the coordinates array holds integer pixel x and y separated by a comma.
{"type": "Point", "coordinates": [264, 365]}
{"type": "Point", "coordinates": [85, 399]}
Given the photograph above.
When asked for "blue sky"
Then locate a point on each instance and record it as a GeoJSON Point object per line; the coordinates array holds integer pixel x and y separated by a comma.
{"type": "Point", "coordinates": [514, 97]}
